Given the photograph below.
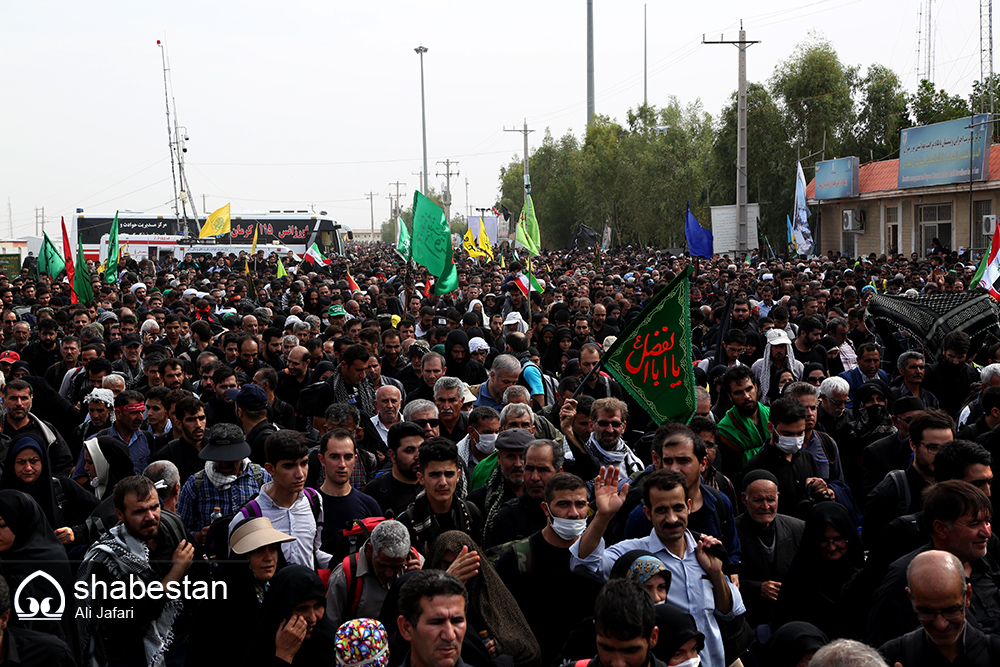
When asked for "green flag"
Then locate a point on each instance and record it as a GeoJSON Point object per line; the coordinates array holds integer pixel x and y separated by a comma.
{"type": "Point", "coordinates": [49, 259]}
{"type": "Point", "coordinates": [81, 278]}
{"type": "Point", "coordinates": [281, 269]}
{"type": "Point", "coordinates": [652, 357]}
{"type": "Point", "coordinates": [111, 270]}
{"type": "Point", "coordinates": [431, 243]}
{"type": "Point", "coordinates": [532, 226]}
{"type": "Point", "coordinates": [403, 240]}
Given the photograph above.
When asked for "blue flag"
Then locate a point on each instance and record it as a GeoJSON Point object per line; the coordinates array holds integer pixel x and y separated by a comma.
{"type": "Point", "coordinates": [700, 241]}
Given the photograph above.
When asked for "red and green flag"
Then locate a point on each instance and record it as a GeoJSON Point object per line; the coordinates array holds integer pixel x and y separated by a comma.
{"type": "Point", "coordinates": [652, 357]}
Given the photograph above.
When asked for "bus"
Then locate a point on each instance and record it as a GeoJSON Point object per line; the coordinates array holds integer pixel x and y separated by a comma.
{"type": "Point", "coordinates": [163, 248]}
{"type": "Point", "coordinates": [289, 230]}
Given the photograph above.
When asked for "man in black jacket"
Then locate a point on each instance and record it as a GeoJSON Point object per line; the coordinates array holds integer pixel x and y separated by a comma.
{"type": "Point", "coordinates": [769, 542]}
{"type": "Point", "coordinates": [940, 595]}
{"type": "Point", "coordinates": [900, 492]}
{"type": "Point", "coordinates": [893, 451]}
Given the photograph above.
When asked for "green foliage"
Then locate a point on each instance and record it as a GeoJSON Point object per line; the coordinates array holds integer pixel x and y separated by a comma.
{"type": "Point", "coordinates": [979, 100]}
{"type": "Point", "coordinates": [929, 105]}
{"type": "Point", "coordinates": [882, 113]}
{"type": "Point", "coordinates": [637, 173]}
{"type": "Point", "coordinates": [770, 161]}
{"type": "Point", "coordinates": [815, 90]}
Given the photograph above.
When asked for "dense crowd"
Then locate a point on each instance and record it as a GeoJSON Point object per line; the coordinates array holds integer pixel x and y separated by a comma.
{"type": "Point", "coordinates": [339, 466]}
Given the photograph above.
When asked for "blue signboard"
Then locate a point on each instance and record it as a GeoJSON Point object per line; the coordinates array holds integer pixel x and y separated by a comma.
{"type": "Point", "coordinates": [938, 154]}
{"type": "Point", "coordinates": [836, 179]}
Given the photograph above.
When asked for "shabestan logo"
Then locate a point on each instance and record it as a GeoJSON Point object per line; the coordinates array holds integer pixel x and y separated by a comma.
{"type": "Point", "coordinates": [31, 608]}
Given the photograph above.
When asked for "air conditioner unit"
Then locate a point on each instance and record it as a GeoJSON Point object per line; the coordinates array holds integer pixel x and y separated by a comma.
{"type": "Point", "coordinates": [989, 224]}
{"type": "Point", "coordinates": [854, 221]}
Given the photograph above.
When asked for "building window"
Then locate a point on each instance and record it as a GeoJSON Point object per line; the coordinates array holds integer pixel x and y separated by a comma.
{"type": "Point", "coordinates": [980, 209]}
{"type": "Point", "coordinates": [935, 223]}
{"type": "Point", "coordinates": [892, 230]}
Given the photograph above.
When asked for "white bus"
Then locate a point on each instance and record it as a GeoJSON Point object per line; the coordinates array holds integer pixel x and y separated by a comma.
{"type": "Point", "coordinates": [161, 247]}
{"type": "Point", "coordinates": [291, 230]}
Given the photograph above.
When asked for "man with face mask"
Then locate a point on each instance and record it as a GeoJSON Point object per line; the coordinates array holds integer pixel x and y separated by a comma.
{"type": "Point", "coordinates": [536, 569]}
{"type": "Point", "coordinates": [799, 483]}
{"type": "Point", "coordinates": [952, 375]}
{"type": "Point", "coordinates": [480, 441]}
{"type": "Point", "coordinates": [929, 431]}
{"type": "Point", "coordinates": [522, 516]}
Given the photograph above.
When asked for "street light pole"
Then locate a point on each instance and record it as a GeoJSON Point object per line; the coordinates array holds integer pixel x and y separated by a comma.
{"type": "Point", "coordinates": [423, 108]}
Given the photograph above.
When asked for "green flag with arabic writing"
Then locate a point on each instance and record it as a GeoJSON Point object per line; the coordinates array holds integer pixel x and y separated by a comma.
{"type": "Point", "coordinates": [652, 357]}
{"type": "Point", "coordinates": [430, 243]}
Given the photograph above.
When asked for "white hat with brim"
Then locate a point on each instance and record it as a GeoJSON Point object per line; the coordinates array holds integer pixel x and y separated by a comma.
{"type": "Point", "coordinates": [254, 534]}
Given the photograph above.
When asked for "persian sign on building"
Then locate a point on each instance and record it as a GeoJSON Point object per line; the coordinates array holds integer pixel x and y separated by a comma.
{"type": "Point", "coordinates": [939, 154]}
{"type": "Point", "coordinates": [837, 179]}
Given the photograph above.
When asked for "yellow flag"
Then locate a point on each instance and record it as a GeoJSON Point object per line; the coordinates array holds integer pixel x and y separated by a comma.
{"type": "Point", "coordinates": [253, 248]}
{"type": "Point", "coordinates": [470, 245]}
{"type": "Point", "coordinates": [281, 269]}
{"type": "Point", "coordinates": [484, 239]}
{"type": "Point", "coordinates": [217, 223]}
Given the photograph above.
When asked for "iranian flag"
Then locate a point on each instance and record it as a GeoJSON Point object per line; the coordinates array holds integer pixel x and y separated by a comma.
{"type": "Point", "coordinates": [526, 283]}
{"type": "Point", "coordinates": [316, 257]}
{"type": "Point", "coordinates": [351, 283]}
{"type": "Point", "coordinates": [988, 274]}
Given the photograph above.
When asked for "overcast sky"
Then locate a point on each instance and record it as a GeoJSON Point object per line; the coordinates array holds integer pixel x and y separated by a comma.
{"type": "Point", "coordinates": [307, 103]}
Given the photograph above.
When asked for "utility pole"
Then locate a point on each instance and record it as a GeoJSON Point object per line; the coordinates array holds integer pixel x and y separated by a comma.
{"type": "Point", "coordinates": [525, 131]}
{"type": "Point", "coordinates": [741, 136]}
{"type": "Point", "coordinates": [590, 65]}
{"type": "Point", "coordinates": [421, 50]}
{"type": "Point", "coordinates": [204, 202]}
{"type": "Point", "coordinates": [420, 179]}
{"type": "Point", "coordinates": [446, 199]}
{"type": "Point", "coordinates": [395, 209]}
{"type": "Point", "coordinates": [39, 221]}
{"type": "Point", "coordinates": [10, 213]}
{"type": "Point", "coordinates": [468, 209]}
{"type": "Point", "coordinates": [371, 200]}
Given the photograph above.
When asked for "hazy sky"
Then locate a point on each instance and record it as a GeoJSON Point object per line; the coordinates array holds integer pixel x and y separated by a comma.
{"type": "Point", "coordinates": [305, 103]}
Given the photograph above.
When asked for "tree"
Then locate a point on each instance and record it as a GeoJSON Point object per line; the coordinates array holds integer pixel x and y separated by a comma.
{"type": "Point", "coordinates": [929, 105]}
{"type": "Point", "coordinates": [770, 160]}
{"type": "Point", "coordinates": [815, 90]}
{"type": "Point", "coordinates": [980, 100]}
{"type": "Point", "coordinates": [881, 114]}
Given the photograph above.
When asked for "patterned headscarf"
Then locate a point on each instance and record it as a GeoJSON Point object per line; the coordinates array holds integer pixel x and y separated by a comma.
{"type": "Point", "coordinates": [645, 568]}
{"type": "Point", "coordinates": [362, 642]}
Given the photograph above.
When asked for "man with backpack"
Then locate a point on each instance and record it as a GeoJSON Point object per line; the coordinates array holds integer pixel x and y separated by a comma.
{"type": "Point", "coordinates": [292, 507]}
{"type": "Point", "coordinates": [359, 584]}
{"type": "Point", "coordinates": [227, 482]}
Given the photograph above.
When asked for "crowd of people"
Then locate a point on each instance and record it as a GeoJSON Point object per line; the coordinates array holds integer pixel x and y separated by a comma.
{"type": "Point", "coordinates": [339, 466]}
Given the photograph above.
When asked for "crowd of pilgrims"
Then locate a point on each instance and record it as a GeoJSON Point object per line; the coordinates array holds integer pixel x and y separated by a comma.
{"type": "Point", "coordinates": [347, 452]}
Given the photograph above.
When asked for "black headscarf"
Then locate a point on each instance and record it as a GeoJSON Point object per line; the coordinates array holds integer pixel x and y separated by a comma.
{"type": "Point", "coordinates": [812, 588]}
{"type": "Point", "coordinates": [552, 358]}
{"type": "Point", "coordinates": [41, 489]}
{"type": "Point", "coordinates": [289, 588]}
{"type": "Point", "coordinates": [119, 463]}
{"type": "Point", "coordinates": [542, 346]}
{"type": "Point", "coordinates": [676, 628]}
{"type": "Point", "coordinates": [468, 370]}
{"type": "Point", "coordinates": [35, 548]}
{"type": "Point", "coordinates": [874, 422]}
{"type": "Point", "coordinates": [792, 642]}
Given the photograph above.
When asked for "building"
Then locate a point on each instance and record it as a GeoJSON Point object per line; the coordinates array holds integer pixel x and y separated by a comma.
{"type": "Point", "coordinates": [864, 210]}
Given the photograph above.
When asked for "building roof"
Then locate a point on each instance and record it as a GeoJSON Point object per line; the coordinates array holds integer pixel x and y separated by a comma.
{"type": "Point", "coordinates": [883, 176]}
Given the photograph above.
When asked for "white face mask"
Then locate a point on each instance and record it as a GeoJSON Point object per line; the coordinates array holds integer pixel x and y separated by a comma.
{"type": "Point", "coordinates": [693, 662]}
{"type": "Point", "coordinates": [567, 529]}
{"type": "Point", "coordinates": [487, 443]}
{"type": "Point", "coordinates": [789, 444]}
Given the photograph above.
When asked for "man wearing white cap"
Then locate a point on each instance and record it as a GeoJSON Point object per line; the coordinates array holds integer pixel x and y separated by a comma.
{"type": "Point", "coordinates": [778, 356]}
